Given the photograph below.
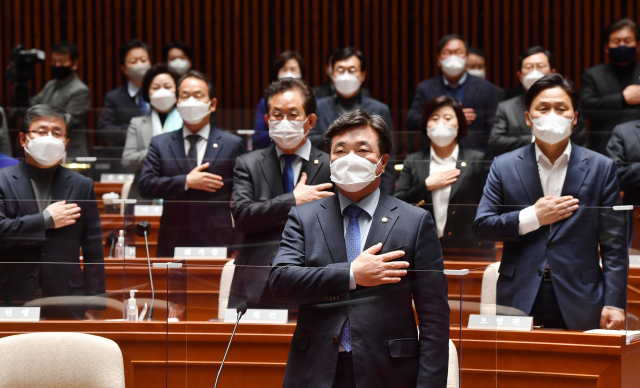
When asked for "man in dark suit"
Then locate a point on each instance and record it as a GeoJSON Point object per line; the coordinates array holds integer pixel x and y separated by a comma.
{"type": "Point", "coordinates": [349, 72]}
{"type": "Point", "coordinates": [611, 91]}
{"type": "Point", "coordinates": [477, 66]}
{"type": "Point", "coordinates": [624, 149]}
{"type": "Point", "coordinates": [267, 183]}
{"type": "Point", "coordinates": [47, 215]}
{"type": "Point", "coordinates": [552, 204]}
{"type": "Point", "coordinates": [356, 323]}
{"type": "Point", "coordinates": [192, 170]}
{"type": "Point", "coordinates": [125, 102]}
{"type": "Point", "coordinates": [327, 89]}
{"type": "Point", "coordinates": [510, 130]}
{"type": "Point", "coordinates": [477, 96]}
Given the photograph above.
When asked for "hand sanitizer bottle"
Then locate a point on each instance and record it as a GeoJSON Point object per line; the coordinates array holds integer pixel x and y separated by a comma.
{"type": "Point", "coordinates": [120, 246]}
{"type": "Point", "coordinates": [132, 307]}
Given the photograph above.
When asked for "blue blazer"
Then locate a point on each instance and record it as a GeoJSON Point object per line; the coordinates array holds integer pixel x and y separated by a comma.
{"type": "Point", "coordinates": [118, 110]}
{"type": "Point", "coordinates": [479, 94]}
{"type": "Point", "coordinates": [327, 112]}
{"type": "Point", "coordinates": [571, 248]}
{"type": "Point", "coordinates": [190, 217]}
{"type": "Point", "coordinates": [312, 269]}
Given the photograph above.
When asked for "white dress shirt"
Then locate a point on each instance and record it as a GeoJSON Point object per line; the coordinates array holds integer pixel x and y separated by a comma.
{"type": "Point", "coordinates": [552, 179]}
{"type": "Point", "coordinates": [133, 90]}
{"type": "Point", "coordinates": [303, 152]}
{"type": "Point", "coordinates": [440, 197]}
{"type": "Point", "coordinates": [201, 145]}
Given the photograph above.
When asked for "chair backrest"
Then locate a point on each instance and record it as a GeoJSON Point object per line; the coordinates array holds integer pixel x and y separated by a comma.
{"type": "Point", "coordinates": [488, 294]}
{"type": "Point", "coordinates": [225, 287]}
{"type": "Point", "coordinates": [124, 193]}
{"type": "Point", "coordinates": [453, 374]}
{"type": "Point", "coordinates": [55, 360]}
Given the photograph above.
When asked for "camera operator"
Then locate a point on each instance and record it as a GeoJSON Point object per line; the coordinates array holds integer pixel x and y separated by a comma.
{"type": "Point", "coordinates": [5, 143]}
{"type": "Point", "coordinates": [66, 91]}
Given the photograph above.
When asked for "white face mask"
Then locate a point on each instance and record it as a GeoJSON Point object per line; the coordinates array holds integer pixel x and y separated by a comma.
{"type": "Point", "coordinates": [289, 74]}
{"type": "Point", "coordinates": [193, 111]}
{"type": "Point", "coordinates": [531, 78]}
{"type": "Point", "coordinates": [162, 99]}
{"type": "Point", "coordinates": [454, 65]}
{"type": "Point", "coordinates": [353, 173]}
{"type": "Point", "coordinates": [287, 134]}
{"type": "Point", "coordinates": [179, 65]}
{"type": "Point", "coordinates": [477, 73]}
{"type": "Point", "coordinates": [46, 150]}
{"type": "Point", "coordinates": [552, 128]}
{"type": "Point", "coordinates": [347, 84]}
{"type": "Point", "coordinates": [442, 135]}
{"type": "Point", "coordinates": [137, 71]}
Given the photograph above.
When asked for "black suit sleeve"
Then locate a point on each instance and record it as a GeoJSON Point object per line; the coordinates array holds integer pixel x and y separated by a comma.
{"type": "Point", "coordinates": [628, 170]}
{"type": "Point", "coordinates": [153, 185]}
{"type": "Point", "coordinates": [590, 98]}
{"type": "Point", "coordinates": [20, 230]}
{"type": "Point", "coordinates": [500, 141]}
{"type": "Point", "coordinates": [249, 215]}
{"type": "Point", "coordinates": [415, 111]}
{"type": "Point", "coordinates": [92, 253]}
{"type": "Point", "coordinates": [409, 189]}
{"type": "Point", "coordinates": [291, 282]}
{"type": "Point", "coordinates": [430, 295]}
{"type": "Point", "coordinates": [110, 131]}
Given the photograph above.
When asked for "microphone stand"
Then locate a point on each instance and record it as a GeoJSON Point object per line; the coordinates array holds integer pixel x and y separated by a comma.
{"type": "Point", "coordinates": [241, 310]}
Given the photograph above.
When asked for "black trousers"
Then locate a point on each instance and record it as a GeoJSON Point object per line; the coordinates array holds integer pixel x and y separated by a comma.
{"type": "Point", "coordinates": [344, 372]}
{"type": "Point", "coordinates": [546, 310]}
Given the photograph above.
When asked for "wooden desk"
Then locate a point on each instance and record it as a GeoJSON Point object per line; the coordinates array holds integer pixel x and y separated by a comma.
{"type": "Point", "coordinates": [115, 222]}
{"type": "Point", "coordinates": [258, 355]}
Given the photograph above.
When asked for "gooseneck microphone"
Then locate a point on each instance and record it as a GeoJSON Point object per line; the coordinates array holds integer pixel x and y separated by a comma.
{"type": "Point", "coordinates": [111, 240]}
{"type": "Point", "coordinates": [240, 310]}
{"type": "Point", "coordinates": [143, 229]}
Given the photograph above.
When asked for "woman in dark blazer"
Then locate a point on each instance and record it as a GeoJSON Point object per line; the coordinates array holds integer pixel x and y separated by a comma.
{"type": "Point", "coordinates": [445, 178]}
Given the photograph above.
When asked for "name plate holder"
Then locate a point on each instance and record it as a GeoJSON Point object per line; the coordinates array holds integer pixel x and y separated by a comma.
{"type": "Point", "coordinates": [147, 210]}
{"type": "Point", "coordinates": [116, 178]}
{"type": "Point", "coordinates": [500, 322]}
{"type": "Point", "coordinates": [19, 314]}
{"type": "Point", "coordinates": [277, 317]}
{"type": "Point", "coordinates": [634, 261]}
{"type": "Point", "coordinates": [200, 253]}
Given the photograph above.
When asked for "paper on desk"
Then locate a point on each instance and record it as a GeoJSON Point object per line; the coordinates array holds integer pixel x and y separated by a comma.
{"type": "Point", "coordinates": [632, 335]}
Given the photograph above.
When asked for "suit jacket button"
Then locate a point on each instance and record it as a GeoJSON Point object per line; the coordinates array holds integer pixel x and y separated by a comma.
{"type": "Point", "coordinates": [33, 279]}
{"type": "Point", "coordinates": [449, 234]}
{"type": "Point", "coordinates": [548, 245]}
{"type": "Point", "coordinates": [453, 212]}
{"type": "Point", "coordinates": [335, 339]}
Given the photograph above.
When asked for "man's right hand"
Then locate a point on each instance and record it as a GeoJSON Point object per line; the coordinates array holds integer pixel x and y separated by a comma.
{"type": "Point", "coordinates": [552, 209]}
{"type": "Point", "coordinates": [304, 193]}
{"type": "Point", "coordinates": [631, 94]}
{"type": "Point", "coordinates": [371, 270]}
{"type": "Point", "coordinates": [441, 179]}
{"type": "Point", "coordinates": [470, 115]}
{"type": "Point", "coordinates": [63, 214]}
{"type": "Point", "coordinates": [199, 180]}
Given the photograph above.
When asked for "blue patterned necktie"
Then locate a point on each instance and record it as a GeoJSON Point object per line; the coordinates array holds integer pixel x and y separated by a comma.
{"type": "Point", "coordinates": [144, 108]}
{"type": "Point", "coordinates": [288, 183]}
{"type": "Point", "coordinates": [352, 242]}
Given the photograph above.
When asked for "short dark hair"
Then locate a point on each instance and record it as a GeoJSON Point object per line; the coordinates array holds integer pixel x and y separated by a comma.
{"type": "Point", "coordinates": [448, 38]}
{"type": "Point", "coordinates": [66, 48]}
{"type": "Point", "coordinates": [130, 45]}
{"type": "Point", "coordinates": [281, 59]}
{"type": "Point", "coordinates": [157, 69]}
{"type": "Point", "coordinates": [619, 25]}
{"type": "Point", "coordinates": [361, 118]}
{"type": "Point", "coordinates": [44, 110]}
{"type": "Point", "coordinates": [179, 45]}
{"type": "Point", "coordinates": [346, 53]}
{"type": "Point", "coordinates": [327, 59]}
{"type": "Point", "coordinates": [200, 76]}
{"type": "Point", "coordinates": [476, 51]}
{"type": "Point", "coordinates": [285, 84]}
{"type": "Point", "coordinates": [535, 50]}
{"type": "Point", "coordinates": [438, 103]}
{"type": "Point", "coordinates": [549, 81]}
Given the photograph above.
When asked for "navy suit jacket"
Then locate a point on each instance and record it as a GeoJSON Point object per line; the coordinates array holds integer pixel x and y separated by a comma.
{"type": "Point", "coordinates": [190, 218]}
{"type": "Point", "coordinates": [624, 149]}
{"type": "Point", "coordinates": [312, 269]}
{"type": "Point", "coordinates": [571, 248]}
{"type": "Point", "coordinates": [479, 94]}
{"type": "Point", "coordinates": [327, 112]}
{"type": "Point", "coordinates": [119, 108]}
{"type": "Point", "coordinates": [23, 238]}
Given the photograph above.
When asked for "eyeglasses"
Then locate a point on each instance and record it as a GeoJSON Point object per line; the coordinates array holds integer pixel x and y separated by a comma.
{"type": "Point", "coordinates": [342, 70]}
{"type": "Point", "coordinates": [58, 134]}
{"type": "Point", "coordinates": [293, 116]}
{"type": "Point", "coordinates": [537, 66]}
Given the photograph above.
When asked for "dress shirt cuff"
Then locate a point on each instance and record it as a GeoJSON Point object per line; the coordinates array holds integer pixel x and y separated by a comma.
{"type": "Point", "coordinates": [49, 223]}
{"type": "Point", "coordinates": [615, 308]}
{"type": "Point", "coordinates": [528, 220]}
{"type": "Point", "coordinates": [352, 280]}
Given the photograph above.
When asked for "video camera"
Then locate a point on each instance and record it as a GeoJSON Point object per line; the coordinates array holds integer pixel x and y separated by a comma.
{"type": "Point", "coordinates": [20, 72]}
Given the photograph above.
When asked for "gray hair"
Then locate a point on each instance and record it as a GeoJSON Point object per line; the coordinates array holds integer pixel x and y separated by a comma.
{"type": "Point", "coordinates": [361, 118]}
{"type": "Point", "coordinates": [44, 110]}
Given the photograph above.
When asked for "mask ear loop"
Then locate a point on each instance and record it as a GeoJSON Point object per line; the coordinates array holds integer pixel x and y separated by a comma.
{"type": "Point", "coordinates": [376, 166]}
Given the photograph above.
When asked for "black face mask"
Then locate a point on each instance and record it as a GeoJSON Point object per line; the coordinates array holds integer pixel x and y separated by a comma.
{"type": "Point", "coordinates": [622, 54]}
{"type": "Point", "coordinates": [61, 72]}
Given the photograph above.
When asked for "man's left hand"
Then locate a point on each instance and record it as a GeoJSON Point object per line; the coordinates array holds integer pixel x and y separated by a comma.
{"type": "Point", "coordinates": [469, 114]}
{"type": "Point", "coordinates": [611, 318]}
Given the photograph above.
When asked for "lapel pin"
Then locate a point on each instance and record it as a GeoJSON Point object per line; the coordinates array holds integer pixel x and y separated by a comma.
{"type": "Point", "coordinates": [316, 161]}
{"type": "Point", "coordinates": [384, 219]}
{"type": "Point", "coordinates": [215, 145]}
{"type": "Point", "coordinates": [463, 164]}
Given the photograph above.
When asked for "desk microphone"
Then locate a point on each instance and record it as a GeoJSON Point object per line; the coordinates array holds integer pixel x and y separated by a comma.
{"type": "Point", "coordinates": [111, 240]}
{"type": "Point", "coordinates": [240, 310]}
{"type": "Point", "coordinates": [143, 229]}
